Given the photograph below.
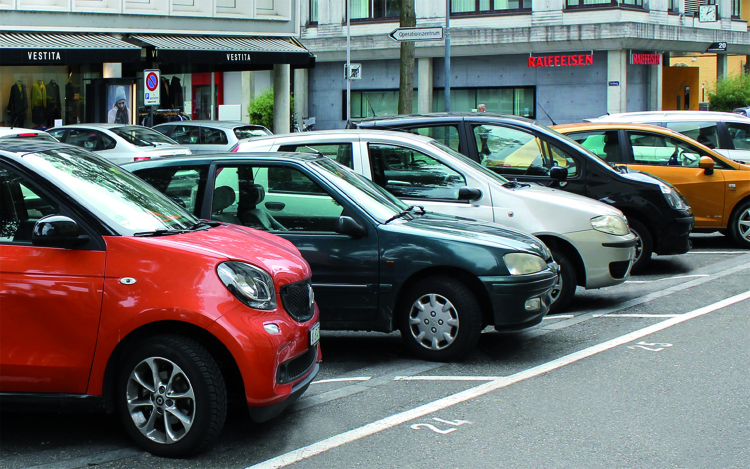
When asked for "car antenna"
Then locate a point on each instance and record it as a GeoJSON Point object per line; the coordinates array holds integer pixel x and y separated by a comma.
{"type": "Point", "coordinates": [548, 116]}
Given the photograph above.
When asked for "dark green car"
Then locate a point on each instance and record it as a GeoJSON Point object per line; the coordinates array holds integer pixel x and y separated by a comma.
{"type": "Point", "coordinates": [378, 264]}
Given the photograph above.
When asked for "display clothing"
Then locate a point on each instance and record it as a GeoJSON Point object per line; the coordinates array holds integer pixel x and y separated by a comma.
{"type": "Point", "coordinates": [39, 103]}
{"type": "Point", "coordinates": [165, 99]}
{"type": "Point", "coordinates": [54, 106]}
{"type": "Point", "coordinates": [17, 104]}
{"type": "Point", "coordinates": [175, 93]}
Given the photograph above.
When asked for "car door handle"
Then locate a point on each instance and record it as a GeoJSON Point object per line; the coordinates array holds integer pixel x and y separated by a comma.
{"type": "Point", "coordinates": [276, 206]}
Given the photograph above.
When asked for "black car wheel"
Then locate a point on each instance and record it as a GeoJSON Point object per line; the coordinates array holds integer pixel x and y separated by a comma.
{"type": "Point", "coordinates": [441, 319]}
{"type": "Point", "coordinates": [644, 246]}
{"type": "Point", "coordinates": [565, 288]}
{"type": "Point", "coordinates": [739, 225]}
{"type": "Point", "coordinates": [171, 396]}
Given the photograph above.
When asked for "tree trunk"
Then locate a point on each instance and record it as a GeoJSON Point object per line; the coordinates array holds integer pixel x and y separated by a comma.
{"type": "Point", "coordinates": [406, 76]}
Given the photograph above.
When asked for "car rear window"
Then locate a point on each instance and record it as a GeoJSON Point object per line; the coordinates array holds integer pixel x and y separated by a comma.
{"type": "Point", "coordinates": [250, 131]}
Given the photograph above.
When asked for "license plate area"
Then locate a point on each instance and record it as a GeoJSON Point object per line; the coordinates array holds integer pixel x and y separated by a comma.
{"type": "Point", "coordinates": [314, 334]}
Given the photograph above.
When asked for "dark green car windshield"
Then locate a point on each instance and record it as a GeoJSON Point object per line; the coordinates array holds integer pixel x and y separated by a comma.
{"type": "Point", "coordinates": [121, 200]}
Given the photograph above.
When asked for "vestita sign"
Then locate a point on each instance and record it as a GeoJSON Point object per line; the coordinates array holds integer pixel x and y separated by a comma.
{"type": "Point", "coordinates": [561, 60]}
{"type": "Point", "coordinates": [151, 83]}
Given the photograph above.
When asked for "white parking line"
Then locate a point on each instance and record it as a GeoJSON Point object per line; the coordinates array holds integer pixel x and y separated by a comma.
{"type": "Point", "coordinates": [463, 396]}
{"type": "Point", "coordinates": [666, 278]}
{"type": "Point", "coordinates": [638, 316]}
{"type": "Point", "coordinates": [716, 252]}
{"type": "Point", "coordinates": [445, 378]}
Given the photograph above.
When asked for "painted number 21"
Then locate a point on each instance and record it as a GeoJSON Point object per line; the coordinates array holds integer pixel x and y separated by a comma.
{"type": "Point", "coordinates": [419, 426]}
{"type": "Point", "coordinates": [651, 347]}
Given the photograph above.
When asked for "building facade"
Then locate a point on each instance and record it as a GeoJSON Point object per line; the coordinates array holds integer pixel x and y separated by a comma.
{"type": "Point", "coordinates": [550, 60]}
{"type": "Point", "coordinates": [66, 61]}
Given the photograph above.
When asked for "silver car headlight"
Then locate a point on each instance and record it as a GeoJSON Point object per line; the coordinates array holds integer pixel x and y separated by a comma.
{"type": "Point", "coordinates": [521, 263]}
{"type": "Point", "coordinates": [251, 285]}
{"type": "Point", "coordinates": [674, 198]}
{"type": "Point", "coordinates": [611, 224]}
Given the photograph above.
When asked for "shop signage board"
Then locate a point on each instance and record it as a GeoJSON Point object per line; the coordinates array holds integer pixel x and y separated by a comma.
{"type": "Point", "coordinates": [645, 59]}
{"type": "Point", "coordinates": [151, 79]}
{"type": "Point", "coordinates": [417, 34]}
{"type": "Point", "coordinates": [576, 60]}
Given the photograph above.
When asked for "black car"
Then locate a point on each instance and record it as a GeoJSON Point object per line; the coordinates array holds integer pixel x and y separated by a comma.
{"type": "Point", "coordinates": [377, 263]}
{"type": "Point", "coordinates": [519, 149]}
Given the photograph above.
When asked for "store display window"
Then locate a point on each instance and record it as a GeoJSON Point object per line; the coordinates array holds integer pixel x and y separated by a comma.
{"type": "Point", "coordinates": [39, 97]}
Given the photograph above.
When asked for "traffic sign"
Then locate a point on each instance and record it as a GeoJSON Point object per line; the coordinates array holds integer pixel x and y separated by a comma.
{"type": "Point", "coordinates": [417, 34]}
{"type": "Point", "coordinates": [151, 95]}
{"type": "Point", "coordinates": [355, 72]}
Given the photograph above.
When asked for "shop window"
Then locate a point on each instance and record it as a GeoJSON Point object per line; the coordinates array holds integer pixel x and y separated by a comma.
{"type": "Point", "coordinates": [375, 103]}
{"type": "Point", "coordinates": [375, 9]}
{"type": "Point", "coordinates": [38, 97]}
{"type": "Point", "coordinates": [314, 11]}
{"type": "Point", "coordinates": [572, 4]}
{"type": "Point", "coordinates": [459, 7]}
{"type": "Point", "coordinates": [517, 101]}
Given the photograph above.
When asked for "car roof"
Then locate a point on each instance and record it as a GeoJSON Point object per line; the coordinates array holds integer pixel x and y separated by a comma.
{"type": "Point", "coordinates": [347, 133]}
{"type": "Point", "coordinates": [18, 130]}
{"type": "Point", "coordinates": [659, 116]}
{"type": "Point", "coordinates": [205, 158]}
{"type": "Point", "coordinates": [210, 123]}
{"type": "Point", "coordinates": [614, 125]}
{"type": "Point", "coordinates": [444, 116]}
{"type": "Point", "coordinates": [95, 125]}
{"type": "Point", "coordinates": [15, 148]}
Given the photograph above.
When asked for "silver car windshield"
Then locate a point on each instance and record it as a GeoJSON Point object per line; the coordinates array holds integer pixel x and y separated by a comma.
{"type": "Point", "coordinates": [142, 136]}
{"type": "Point", "coordinates": [124, 202]}
{"type": "Point", "coordinates": [376, 201]}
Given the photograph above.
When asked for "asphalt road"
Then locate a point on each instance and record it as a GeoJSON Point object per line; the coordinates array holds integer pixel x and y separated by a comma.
{"type": "Point", "coordinates": [651, 373]}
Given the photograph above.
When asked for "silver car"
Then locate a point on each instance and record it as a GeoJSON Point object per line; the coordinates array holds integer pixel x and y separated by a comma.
{"type": "Point", "coordinates": [18, 132]}
{"type": "Point", "coordinates": [206, 136]}
{"type": "Point", "coordinates": [589, 239]}
{"type": "Point", "coordinates": [119, 143]}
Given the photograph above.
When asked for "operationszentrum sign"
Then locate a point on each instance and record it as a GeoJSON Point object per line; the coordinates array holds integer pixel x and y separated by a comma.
{"type": "Point", "coordinates": [417, 34]}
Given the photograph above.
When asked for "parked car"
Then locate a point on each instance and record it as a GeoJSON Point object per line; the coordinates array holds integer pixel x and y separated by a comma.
{"type": "Point", "coordinates": [725, 132]}
{"type": "Point", "coordinates": [717, 188]}
{"type": "Point", "coordinates": [17, 132]}
{"type": "Point", "coordinates": [119, 143]}
{"type": "Point", "coordinates": [207, 136]}
{"type": "Point", "coordinates": [378, 264]}
{"type": "Point", "coordinates": [116, 299]}
{"type": "Point", "coordinates": [589, 239]}
{"type": "Point", "coordinates": [743, 111]}
{"type": "Point", "coordinates": [518, 149]}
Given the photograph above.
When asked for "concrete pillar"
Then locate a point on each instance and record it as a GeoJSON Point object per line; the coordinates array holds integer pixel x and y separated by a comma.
{"type": "Point", "coordinates": [247, 94]}
{"type": "Point", "coordinates": [424, 85]}
{"type": "Point", "coordinates": [281, 98]}
{"type": "Point", "coordinates": [722, 63]}
{"type": "Point", "coordinates": [301, 105]}
{"type": "Point", "coordinates": [617, 72]}
{"type": "Point", "coordinates": [655, 93]}
{"type": "Point", "coordinates": [112, 70]}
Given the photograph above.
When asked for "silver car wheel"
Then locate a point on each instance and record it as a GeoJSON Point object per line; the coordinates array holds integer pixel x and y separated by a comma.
{"type": "Point", "coordinates": [433, 321]}
{"type": "Point", "coordinates": [638, 247]}
{"type": "Point", "coordinates": [160, 400]}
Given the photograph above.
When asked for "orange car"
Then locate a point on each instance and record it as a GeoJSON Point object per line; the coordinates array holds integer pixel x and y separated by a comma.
{"type": "Point", "coordinates": [717, 188]}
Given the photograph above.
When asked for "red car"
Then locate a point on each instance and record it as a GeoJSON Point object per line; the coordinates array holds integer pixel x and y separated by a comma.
{"type": "Point", "coordinates": [113, 297]}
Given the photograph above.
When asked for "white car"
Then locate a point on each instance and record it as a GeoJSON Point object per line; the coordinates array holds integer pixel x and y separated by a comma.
{"type": "Point", "coordinates": [589, 239]}
{"type": "Point", "coordinates": [206, 136]}
{"type": "Point", "coordinates": [18, 132]}
{"type": "Point", "coordinates": [119, 143]}
{"type": "Point", "coordinates": [726, 132]}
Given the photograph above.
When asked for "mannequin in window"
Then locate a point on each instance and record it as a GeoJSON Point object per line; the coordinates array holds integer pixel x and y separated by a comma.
{"type": "Point", "coordinates": [119, 114]}
{"type": "Point", "coordinates": [53, 103]}
{"type": "Point", "coordinates": [17, 104]}
{"type": "Point", "coordinates": [39, 103]}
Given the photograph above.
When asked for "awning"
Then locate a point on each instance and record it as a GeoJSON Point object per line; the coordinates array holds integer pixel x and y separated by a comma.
{"type": "Point", "coordinates": [252, 51]}
{"type": "Point", "coordinates": [64, 48]}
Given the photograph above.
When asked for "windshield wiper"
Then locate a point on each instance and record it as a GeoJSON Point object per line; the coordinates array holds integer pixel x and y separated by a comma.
{"type": "Point", "coordinates": [200, 224]}
{"type": "Point", "coordinates": [402, 213]}
{"type": "Point", "coordinates": [160, 233]}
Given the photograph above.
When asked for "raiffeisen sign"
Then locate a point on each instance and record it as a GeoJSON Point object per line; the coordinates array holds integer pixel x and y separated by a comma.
{"type": "Point", "coordinates": [645, 59]}
{"type": "Point", "coordinates": [561, 60]}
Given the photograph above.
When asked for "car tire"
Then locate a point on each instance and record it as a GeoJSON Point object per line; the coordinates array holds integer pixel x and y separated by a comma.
{"type": "Point", "coordinates": [440, 319]}
{"type": "Point", "coordinates": [182, 414]}
{"type": "Point", "coordinates": [739, 225]}
{"type": "Point", "coordinates": [565, 288]}
{"type": "Point", "coordinates": [644, 247]}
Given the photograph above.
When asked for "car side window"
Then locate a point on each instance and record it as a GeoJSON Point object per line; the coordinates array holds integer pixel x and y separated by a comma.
{"type": "Point", "coordinates": [184, 186]}
{"type": "Point", "coordinates": [702, 132]}
{"type": "Point", "coordinates": [448, 134]}
{"type": "Point", "coordinates": [20, 208]}
{"type": "Point", "coordinates": [562, 159]}
{"type": "Point", "coordinates": [213, 136]}
{"type": "Point", "coordinates": [662, 150]}
{"type": "Point", "coordinates": [509, 151]}
{"type": "Point", "coordinates": [740, 135]}
{"type": "Point", "coordinates": [185, 134]}
{"type": "Point", "coordinates": [407, 173]}
{"type": "Point", "coordinates": [261, 197]}
{"type": "Point", "coordinates": [603, 143]}
{"type": "Point", "coordinates": [341, 152]}
{"type": "Point", "coordinates": [84, 138]}
{"type": "Point", "coordinates": [107, 142]}
{"type": "Point", "coordinates": [58, 134]}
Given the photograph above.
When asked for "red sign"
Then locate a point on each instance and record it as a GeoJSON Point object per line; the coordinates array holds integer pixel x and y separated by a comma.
{"type": "Point", "coordinates": [152, 81]}
{"type": "Point", "coordinates": [561, 60]}
{"type": "Point", "coordinates": [645, 59]}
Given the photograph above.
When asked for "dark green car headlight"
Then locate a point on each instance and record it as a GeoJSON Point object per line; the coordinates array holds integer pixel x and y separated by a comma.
{"type": "Point", "coordinates": [251, 285]}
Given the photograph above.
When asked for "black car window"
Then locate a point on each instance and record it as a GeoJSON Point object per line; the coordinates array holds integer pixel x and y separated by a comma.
{"type": "Point", "coordinates": [58, 134]}
{"type": "Point", "coordinates": [740, 135]}
{"type": "Point", "coordinates": [250, 132]}
{"type": "Point", "coordinates": [510, 151]}
{"type": "Point", "coordinates": [562, 159]}
{"type": "Point", "coordinates": [663, 150]}
{"type": "Point", "coordinates": [211, 136]}
{"type": "Point", "coordinates": [447, 134]}
{"type": "Point", "coordinates": [703, 132]}
{"type": "Point", "coordinates": [20, 208]}
{"type": "Point", "coordinates": [341, 152]}
{"type": "Point", "coordinates": [407, 173]}
{"type": "Point", "coordinates": [262, 197]}
{"type": "Point", "coordinates": [603, 143]}
{"type": "Point", "coordinates": [106, 142]}
{"type": "Point", "coordinates": [84, 138]}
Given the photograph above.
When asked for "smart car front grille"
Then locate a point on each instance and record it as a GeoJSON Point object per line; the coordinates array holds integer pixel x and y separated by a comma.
{"type": "Point", "coordinates": [293, 369]}
{"type": "Point", "coordinates": [298, 300]}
